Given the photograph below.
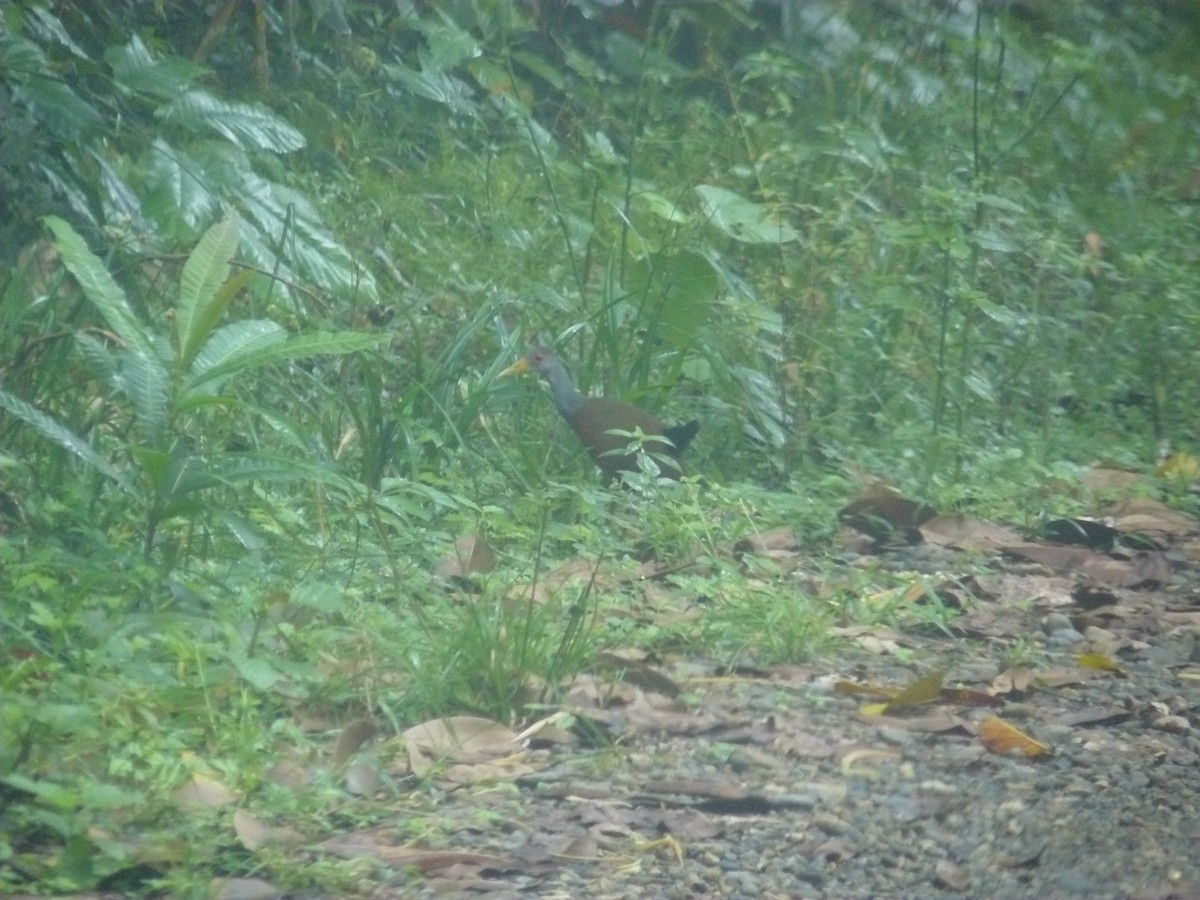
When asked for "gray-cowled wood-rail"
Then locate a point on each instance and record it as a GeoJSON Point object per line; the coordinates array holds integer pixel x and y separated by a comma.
{"type": "Point", "coordinates": [604, 426]}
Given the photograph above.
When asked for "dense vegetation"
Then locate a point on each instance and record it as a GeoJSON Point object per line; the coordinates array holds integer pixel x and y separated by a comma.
{"type": "Point", "coordinates": [260, 273]}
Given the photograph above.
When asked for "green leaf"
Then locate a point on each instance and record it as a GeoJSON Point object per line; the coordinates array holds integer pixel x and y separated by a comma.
{"type": "Point", "coordinates": [243, 124]}
{"type": "Point", "coordinates": [138, 70]}
{"type": "Point", "coordinates": [742, 219]}
{"type": "Point", "coordinates": [100, 288]}
{"type": "Point", "coordinates": [237, 355]}
{"type": "Point", "coordinates": [677, 291]}
{"type": "Point", "coordinates": [201, 302]}
{"type": "Point", "coordinates": [36, 87]}
{"type": "Point", "coordinates": [179, 187]}
{"type": "Point", "coordinates": [231, 349]}
{"type": "Point", "coordinates": [147, 384]}
{"type": "Point", "coordinates": [60, 434]}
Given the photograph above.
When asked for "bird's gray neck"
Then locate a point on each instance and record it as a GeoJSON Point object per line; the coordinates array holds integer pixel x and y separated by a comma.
{"type": "Point", "coordinates": [567, 400]}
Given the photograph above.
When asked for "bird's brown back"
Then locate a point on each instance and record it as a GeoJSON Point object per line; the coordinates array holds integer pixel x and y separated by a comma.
{"type": "Point", "coordinates": [599, 417]}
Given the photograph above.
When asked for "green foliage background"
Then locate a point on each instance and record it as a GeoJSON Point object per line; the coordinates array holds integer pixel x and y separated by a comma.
{"type": "Point", "coordinates": [259, 280]}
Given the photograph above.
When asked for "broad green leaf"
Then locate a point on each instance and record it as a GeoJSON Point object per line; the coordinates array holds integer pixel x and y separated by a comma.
{"type": "Point", "coordinates": [147, 384]}
{"type": "Point", "coordinates": [253, 353]}
{"type": "Point", "coordinates": [60, 434]}
{"type": "Point", "coordinates": [243, 124]}
{"type": "Point", "coordinates": [440, 87]}
{"type": "Point", "coordinates": [201, 302]}
{"type": "Point", "coordinates": [36, 87]}
{"type": "Point", "coordinates": [230, 349]}
{"type": "Point", "coordinates": [100, 359]}
{"type": "Point", "coordinates": [277, 210]}
{"type": "Point", "coordinates": [676, 291]}
{"type": "Point", "coordinates": [742, 219]}
{"type": "Point", "coordinates": [180, 186]}
{"type": "Point", "coordinates": [139, 70]}
{"type": "Point", "coordinates": [100, 288]}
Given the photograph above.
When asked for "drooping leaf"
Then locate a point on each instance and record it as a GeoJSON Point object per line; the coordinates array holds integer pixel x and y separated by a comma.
{"type": "Point", "coordinates": [138, 69]}
{"type": "Point", "coordinates": [100, 288]}
{"type": "Point", "coordinates": [203, 274]}
{"type": "Point", "coordinates": [178, 187]}
{"type": "Point", "coordinates": [243, 124]}
{"type": "Point", "coordinates": [35, 86]}
{"type": "Point", "coordinates": [742, 219]}
{"type": "Point", "coordinates": [51, 428]}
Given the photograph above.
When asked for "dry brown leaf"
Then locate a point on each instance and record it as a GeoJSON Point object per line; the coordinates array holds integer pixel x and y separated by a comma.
{"type": "Point", "coordinates": [461, 734]}
{"type": "Point", "coordinates": [201, 792]}
{"type": "Point", "coordinates": [1001, 737]}
{"type": "Point", "coordinates": [471, 556]}
{"type": "Point", "coordinates": [254, 833]}
{"type": "Point", "coordinates": [485, 772]}
{"type": "Point", "coordinates": [1014, 680]}
{"type": "Point", "coordinates": [769, 542]}
{"type": "Point", "coordinates": [967, 533]}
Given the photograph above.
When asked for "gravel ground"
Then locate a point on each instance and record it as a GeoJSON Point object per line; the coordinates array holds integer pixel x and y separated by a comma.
{"type": "Point", "coordinates": [772, 783]}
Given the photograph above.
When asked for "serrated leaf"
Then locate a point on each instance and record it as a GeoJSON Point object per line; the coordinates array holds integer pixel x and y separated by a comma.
{"type": "Point", "coordinates": [99, 287]}
{"type": "Point", "coordinates": [99, 358]}
{"type": "Point", "coordinates": [230, 349]}
{"type": "Point", "coordinates": [261, 354]}
{"type": "Point", "coordinates": [148, 386]}
{"type": "Point", "coordinates": [201, 302]}
{"type": "Point", "coordinates": [243, 124]}
{"type": "Point", "coordinates": [60, 434]}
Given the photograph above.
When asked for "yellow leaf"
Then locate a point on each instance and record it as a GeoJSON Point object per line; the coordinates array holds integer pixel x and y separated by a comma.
{"type": "Point", "coordinates": [1001, 737]}
{"type": "Point", "coordinates": [1101, 662]}
{"type": "Point", "coordinates": [925, 689]}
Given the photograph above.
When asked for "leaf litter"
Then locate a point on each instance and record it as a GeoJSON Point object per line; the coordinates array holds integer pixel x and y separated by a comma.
{"type": "Point", "coordinates": [678, 776]}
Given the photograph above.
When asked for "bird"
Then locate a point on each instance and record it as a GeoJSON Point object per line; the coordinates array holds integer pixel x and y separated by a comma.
{"type": "Point", "coordinates": [603, 425]}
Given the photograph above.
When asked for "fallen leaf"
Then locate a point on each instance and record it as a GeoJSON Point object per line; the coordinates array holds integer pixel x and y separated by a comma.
{"type": "Point", "coordinates": [1100, 662]}
{"type": "Point", "coordinates": [1000, 737]}
{"type": "Point", "coordinates": [967, 533]}
{"type": "Point", "coordinates": [201, 792]}
{"type": "Point", "coordinates": [925, 689]}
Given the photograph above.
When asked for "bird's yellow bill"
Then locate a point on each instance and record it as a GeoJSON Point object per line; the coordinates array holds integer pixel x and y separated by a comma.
{"type": "Point", "coordinates": [520, 367]}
